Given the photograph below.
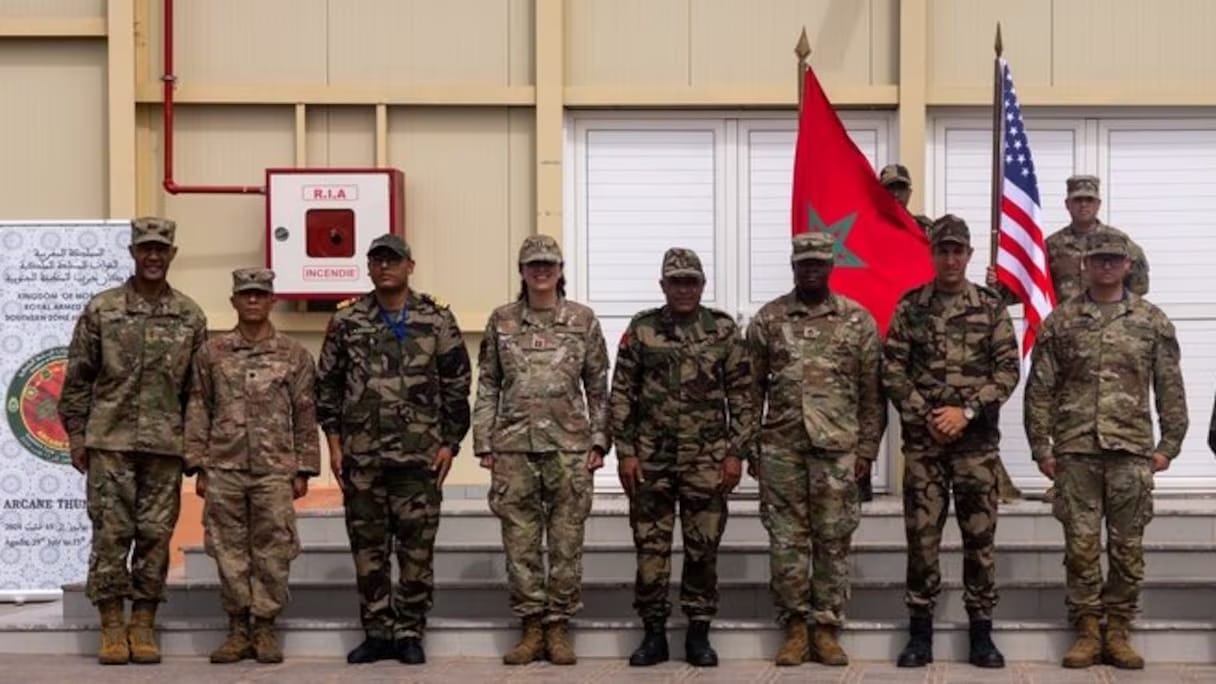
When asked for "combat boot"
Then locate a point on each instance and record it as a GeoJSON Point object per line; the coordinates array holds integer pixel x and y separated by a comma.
{"type": "Point", "coordinates": [114, 649]}
{"type": "Point", "coordinates": [697, 650]}
{"type": "Point", "coordinates": [1118, 650]}
{"type": "Point", "coordinates": [266, 642]}
{"type": "Point", "coordinates": [794, 650]}
{"type": "Point", "coordinates": [237, 646]}
{"type": "Point", "coordinates": [825, 646]}
{"type": "Point", "coordinates": [531, 644]}
{"type": "Point", "coordinates": [984, 653]}
{"type": "Point", "coordinates": [919, 651]}
{"type": "Point", "coordinates": [371, 650]}
{"type": "Point", "coordinates": [653, 649]}
{"type": "Point", "coordinates": [557, 643]}
{"type": "Point", "coordinates": [1005, 489]}
{"type": "Point", "coordinates": [1087, 649]}
{"type": "Point", "coordinates": [141, 633]}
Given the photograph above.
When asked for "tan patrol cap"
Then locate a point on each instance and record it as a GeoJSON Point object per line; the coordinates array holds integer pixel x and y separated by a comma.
{"type": "Point", "coordinates": [247, 279]}
{"type": "Point", "coordinates": [152, 229]}
{"type": "Point", "coordinates": [540, 248]}
{"type": "Point", "coordinates": [813, 245]}
{"type": "Point", "coordinates": [1083, 186]}
{"type": "Point", "coordinates": [681, 262]}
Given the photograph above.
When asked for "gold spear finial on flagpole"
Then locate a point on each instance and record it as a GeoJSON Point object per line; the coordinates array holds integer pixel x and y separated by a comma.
{"type": "Point", "coordinates": [998, 150]}
{"type": "Point", "coordinates": [1000, 47]}
{"type": "Point", "coordinates": [803, 50]}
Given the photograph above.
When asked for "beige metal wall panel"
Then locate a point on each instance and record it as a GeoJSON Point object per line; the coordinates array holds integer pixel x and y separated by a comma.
{"type": "Point", "coordinates": [217, 233]}
{"type": "Point", "coordinates": [521, 196]}
{"type": "Point", "coordinates": [1131, 45]}
{"type": "Point", "coordinates": [628, 42]}
{"type": "Point", "coordinates": [53, 129]}
{"type": "Point", "coordinates": [961, 34]}
{"type": "Point", "coordinates": [521, 38]}
{"type": "Point", "coordinates": [341, 137]}
{"type": "Point", "coordinates": [52, 8]}
{"type": "Point", "coordinates": [243, 42]}
{"type": "Point", "coordinates": [457, 168]}
{"type": "Point", "coordinates": [750, 43]}
{"type": "Point", "coordinates": [405, 42]}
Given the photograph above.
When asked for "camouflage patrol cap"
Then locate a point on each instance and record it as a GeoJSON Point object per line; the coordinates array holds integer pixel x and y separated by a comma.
{"type": "Point", "coordinates": [1106, 243]}
{"type": "Point", "coordinates": [950, 228]}
{"type": "Point", "coordinates": [247, 279]}
{"type": "Point", "coordinates": [540, 248]}
{"type": "Point", "coordinates": [391, 242]}
{"type": "Point", "coordinates": [1083, 186]}
{"type": "Point", "coordinates": [813, 245]}
{"type": "Point", "coordinates": [681, 262]}
{"type": "Point", "coordinates": [895, 173]}
{"type": "Point", "coordinates": [152, 229]}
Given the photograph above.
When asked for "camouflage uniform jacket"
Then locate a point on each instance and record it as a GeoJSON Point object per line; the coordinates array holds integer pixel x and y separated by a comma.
{"type": "Point", "coordinates": [251, 407]}
{"type": "Point", "coordinates": [390, 401]}
{"type": "Point", "coordinates": [819, 368]}
{"type": "Point", "coordinates": [1066, 251]}
{"type": "Point", "coordinates": [1088, 390]}
{"type": "Point", "coordinates": [129, 371]}
{"type": "Point", "coordinates": [951, 351]}
{"type": "Point", "coordinates": [531, 379]}
{"type": "Point", "coordinates": [681, 390]}
{"type": "Point", "coordinates": [924, 222]}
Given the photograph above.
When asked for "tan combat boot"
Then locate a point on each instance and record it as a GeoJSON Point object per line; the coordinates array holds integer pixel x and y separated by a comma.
{"type": "Point", "coordinates": [141, 633]}
{"type": "Point", "coordinates": [1087, 649]}
{"type": "Point", "coordinates": [531, 645]}
{"type": "Point", "coordinates": [237, 646]}
{"type": "Point", "coordinates": [1005, 489]}
{"type": "Point", "coordinates": [794, 651]}
{"type": "Point", "coordinates": [265, 642]}
{"type": "Point", "coordinates": [114, 650]}
{"type": "Point", "coordinates": [557, 643]}
{"type": "Point", "coordinates": [1118, 650]}
{"type": "Point", "coordinates": [825, 647]}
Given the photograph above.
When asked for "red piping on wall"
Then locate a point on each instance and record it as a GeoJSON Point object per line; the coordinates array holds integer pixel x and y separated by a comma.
{"type": "Point", "coordinates": [170, 81]}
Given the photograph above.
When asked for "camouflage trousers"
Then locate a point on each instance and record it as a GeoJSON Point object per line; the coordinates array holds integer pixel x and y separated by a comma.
{"type": "Point", "coordinates": [1089, 487]}
{"type": "Point", "coordinates": [546, 495]}
{"type": "Point", "coordinates": [929, 478]}
{"type": "Point", "coordinates": [703, 512]}
{"type": "Point", "coordinates": [133, 500]}
{"type": "Point", "coordinates": [392, 508]}
{"type": "Point", "coordinates": [250, 531]}
{"type": "Point", "coordinates": [810, 506]}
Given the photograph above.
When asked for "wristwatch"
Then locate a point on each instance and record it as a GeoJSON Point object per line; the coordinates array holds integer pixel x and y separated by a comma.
{"type": "Point", "coordinates": [969, 413]}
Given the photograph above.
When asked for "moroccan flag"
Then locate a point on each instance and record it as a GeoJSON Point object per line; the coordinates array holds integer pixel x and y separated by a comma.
{"type": "Point", "coordinates": [881, 252]}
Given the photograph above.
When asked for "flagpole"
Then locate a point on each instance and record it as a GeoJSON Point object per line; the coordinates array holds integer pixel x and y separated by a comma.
{"type": "Point", "coordinates": [803, 51]}
{"type": "Point", "coordinates": [998, 145]}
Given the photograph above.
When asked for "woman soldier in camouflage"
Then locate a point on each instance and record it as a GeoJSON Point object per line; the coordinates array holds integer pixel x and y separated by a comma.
{"type": "Point", "coordinates": [531, 427]}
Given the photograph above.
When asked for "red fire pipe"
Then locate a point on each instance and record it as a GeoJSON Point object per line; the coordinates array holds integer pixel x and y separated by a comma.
{"type": "Point", "coordinates": [170, 82]}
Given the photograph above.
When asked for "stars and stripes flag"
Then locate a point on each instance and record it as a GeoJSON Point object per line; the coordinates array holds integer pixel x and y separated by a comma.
{"type": "Point", "coordinates": [1021, 257]}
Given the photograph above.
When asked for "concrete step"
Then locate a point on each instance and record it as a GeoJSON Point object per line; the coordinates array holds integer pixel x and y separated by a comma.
{"type": "Point", "coordinates": [736, 561]}
{"type": "Point", "coordinates": [1184, 599]}
{"type": "Point", "coordinates": [470, 521]}
{"type": "Point", "coordinates": [41, 629]}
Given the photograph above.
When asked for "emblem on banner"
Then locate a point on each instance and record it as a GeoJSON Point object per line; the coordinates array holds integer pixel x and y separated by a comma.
{"type": "Point", "coordinates": [32, 402]}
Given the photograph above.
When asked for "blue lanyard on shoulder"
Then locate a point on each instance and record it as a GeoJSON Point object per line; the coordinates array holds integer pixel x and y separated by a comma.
{"type": "Point", "coordinates": [400, 331]}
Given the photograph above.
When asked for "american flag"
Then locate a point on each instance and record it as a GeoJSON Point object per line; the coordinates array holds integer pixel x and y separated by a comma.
{"type": "Point", "coordinates": [1021, 261]}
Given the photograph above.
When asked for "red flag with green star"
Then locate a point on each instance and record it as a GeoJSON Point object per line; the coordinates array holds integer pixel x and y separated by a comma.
{"type": "Point", "coordinates": [881, 252]}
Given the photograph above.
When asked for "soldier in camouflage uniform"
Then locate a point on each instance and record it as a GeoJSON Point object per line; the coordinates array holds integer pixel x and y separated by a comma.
{"type": "Point", "coordinates": [393, 399]}
{"type": "Point", "coordinates": [681, 419]}
{"type": "Point", "coordinates": [896, 179]}
{"type": "Point", "coordinates": [251, 439]}
{"type": "Point", "coordinates": [122, 406]}
{"type": "Point", "coordinates": [816, 359]}
{"type": "Point", "coordinates": [951, 360]}
{"type": "Point", "coordinates": [1096, 361]}
{"type": "Point", "coordinates": [532, 429]}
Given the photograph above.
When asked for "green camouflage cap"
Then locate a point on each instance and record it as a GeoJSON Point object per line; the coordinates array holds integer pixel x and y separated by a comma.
{"type": "Point", "coordinates": [681, 262]}
{"type": "Point", "coordinates": [391, 242]}
{"type": "Point", "coordinates": [895, 173]}
{"type": "Point", "coordinates": [1083, 186]}
{"type": "Point", "coordinates": [950, 228]}
{"type": "Point", "coordinates": [152, 229]}
{"type": "Point", "coordinates": [813, 245]}
{"type": "Point", "coordinates": [246, 279]}
{"type": "Point", "coordinates": [540, 248]}
{"type": "Point", "coordinates": [1106, 242]}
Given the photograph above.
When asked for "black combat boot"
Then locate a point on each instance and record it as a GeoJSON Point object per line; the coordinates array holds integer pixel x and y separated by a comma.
{"type": "Point", "coordinates": [697, 651]}
{"type": "Point", "coordinates": [371, 650]}
{"type": "Point", "coordinates": [653, 649]}
{"type": "Point", "coordinates": [409, 651]}
{"type": "Point", "coordinates": [865, 488]}
{"type": "Point", "coordinates": [919, 651]}
{"type": "Point", "coordinates": [983, 652]}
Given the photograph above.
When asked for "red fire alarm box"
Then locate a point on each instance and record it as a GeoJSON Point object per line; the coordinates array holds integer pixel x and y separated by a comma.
{"type": "Point", "coordinates": [320, 224]}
